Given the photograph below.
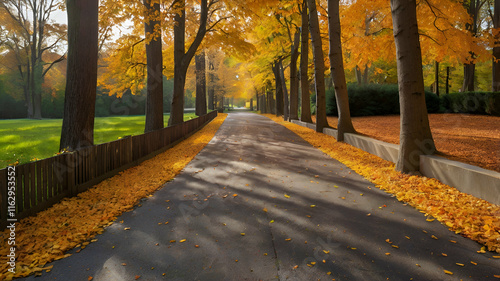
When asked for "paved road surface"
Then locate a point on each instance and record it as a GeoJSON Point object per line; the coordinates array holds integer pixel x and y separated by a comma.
{"type": "Point", "coordinates": [298, 215]}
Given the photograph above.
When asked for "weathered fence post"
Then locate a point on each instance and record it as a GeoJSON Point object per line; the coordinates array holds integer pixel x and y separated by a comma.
{"type": "Point", "coordinates": [70, 174]}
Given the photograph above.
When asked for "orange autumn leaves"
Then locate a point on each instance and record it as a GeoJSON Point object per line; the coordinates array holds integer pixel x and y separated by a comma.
{"type": "Point", "coordinates": [462, 213]}
{"type": "Point", "coordinates": [74, 221]}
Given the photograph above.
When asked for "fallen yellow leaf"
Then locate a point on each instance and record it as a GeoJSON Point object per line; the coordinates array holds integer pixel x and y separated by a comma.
{"type": "Point", "coordinates": [182, 241]}
{"type": "Point", "coordinates": [287, 196]}
{"type": "Point", "coordinates": [448, 272]}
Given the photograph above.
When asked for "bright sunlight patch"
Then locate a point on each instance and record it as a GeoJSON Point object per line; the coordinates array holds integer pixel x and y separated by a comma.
{"type": "Point", "coordinates": [462, 213]}
{"type": "Point", "coordinates": [75, 221]}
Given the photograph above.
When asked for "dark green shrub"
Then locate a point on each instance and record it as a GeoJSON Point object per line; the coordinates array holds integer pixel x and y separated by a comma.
{"type": "Point", "coordinates": [11, 108]}
{"type": "Point", "coordinates": [375, 99]}
{"type": "Point", "coordinates": [472, 102]}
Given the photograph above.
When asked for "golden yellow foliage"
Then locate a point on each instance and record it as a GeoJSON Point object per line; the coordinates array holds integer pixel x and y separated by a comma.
{"type": "Point", "coordinates": [462, 213]}
{"type": "Point", "coordinates": [48, 235]}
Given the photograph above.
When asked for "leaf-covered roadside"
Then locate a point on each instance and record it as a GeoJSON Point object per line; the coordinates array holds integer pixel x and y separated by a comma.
{"type": "Point", "coordinates": [462, 213]}
{"type": "Point", "coordinates": [75, 221]}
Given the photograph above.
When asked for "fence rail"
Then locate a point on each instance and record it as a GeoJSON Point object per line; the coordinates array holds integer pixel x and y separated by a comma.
{"type": "Point", "coordinates": [41, 184]}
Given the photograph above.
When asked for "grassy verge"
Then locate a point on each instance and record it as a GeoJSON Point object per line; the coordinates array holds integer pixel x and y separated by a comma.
{"type": "Point", "coordinates": [25, 140]}
{"type": "Point", "coordinates": [50, 234]}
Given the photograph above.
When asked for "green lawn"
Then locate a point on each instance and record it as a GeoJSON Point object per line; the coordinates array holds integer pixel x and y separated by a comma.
{"type": "Point", "coordinates": [24, 140]}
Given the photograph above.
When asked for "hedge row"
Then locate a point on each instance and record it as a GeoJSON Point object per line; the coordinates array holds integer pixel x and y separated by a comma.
{"type": "Point", "coordinates": [375, 99]}
{"type": "Point", "coordinates": [380, 99]}
{"type": "Point", "coordinates": [472, 102]}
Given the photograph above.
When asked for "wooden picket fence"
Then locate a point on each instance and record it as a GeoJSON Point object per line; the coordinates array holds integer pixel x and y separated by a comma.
{"type": "Point", "coordinates": [43, 183]}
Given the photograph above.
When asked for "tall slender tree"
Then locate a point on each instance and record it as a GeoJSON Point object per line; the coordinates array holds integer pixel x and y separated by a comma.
{"type": "Point", "coordinates": [279, 88]}
{"type": "Point", "coordinates": [496, 47]}
{"type": "Point", "coordinates": [81, 80]}
{"type": "Point", "coordinates": [182, 59]}
{"type": "Point", "coordinates": [201, 84]}
{"type": "Point", "coordinates": [319, 66]}
{"type": "Point", "coordinates": [337, 70]}
{"type": "Point", "coordinates": [305, 104]}
{"type": "Point", "coordinates": [415, 134]}
{"type": "Point", "coordinates": [286, 111]}
{"type": "Point", "coordinates": [294, 78]}
{"type": "Point", "coordinates": [154, 97]}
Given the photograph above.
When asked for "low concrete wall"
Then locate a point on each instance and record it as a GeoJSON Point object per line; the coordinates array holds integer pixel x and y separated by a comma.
{"type": "Point", "coordinates": [384, 150]}
{"type": "Point", "coordinates": [330, 132]}
{"type": "Point", "coordinates": [305, 124]}
{"type": "Point", "coordinates": [479, 182]}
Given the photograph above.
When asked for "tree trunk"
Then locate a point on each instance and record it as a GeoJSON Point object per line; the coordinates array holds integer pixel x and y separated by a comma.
{"type": "Point", "coordinates": [436, 78]}
{"type": "Point", "coordinates": [285, 91]}
{"type": "Point", "coordinates": [182, 59]}
{"type": "Point", "coordinates": [359, 76]}
{"type": "Point", "coordinates": [154, 58]}
{"type": "Point", "coordinates": [201, 85]}
{"type": "Point", "coordinates": [177, 108]}
{"type": "Point", "coordinates": [81, 80]}
{"type": "Point", "coordinates": [269, 105]}
{"type": "Point", "coordinates": [470, 67]}
{"type": "Point", "coordinates": [319, 67]}
{"type": "Point", "coordinates": [211, 88]}
{"type": "Point", "coordinates": [294, 79]}
{"type": "Point", "coordinates": [305, 103]}
{"type": "Point", "coordinates": [257, 101]}
{"type": "Point", "coordinates": [447, 80]}
{"type": "Point", "coordinates": [496, 47]}
{"type": "Point", "coordinates": [365, 75]}
{"type": "Point", "coordinates": [37, 89]}
{"type": "Point", "coordinates": [415, 135]}
{"type": "Point", "coordinates": [337, 71]}
{"type": "Point", "coordinates": [279, 89]}
{"type": "Point", "coordinates": [469, 75]}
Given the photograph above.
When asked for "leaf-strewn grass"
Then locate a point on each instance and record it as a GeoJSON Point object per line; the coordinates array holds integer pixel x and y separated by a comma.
{"type": "Point", "coordinates": [25, 140]}
{"type": "Point", "coordinates": [462, 213]}
{"type": "Point", "coordinates": [48, 235]}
